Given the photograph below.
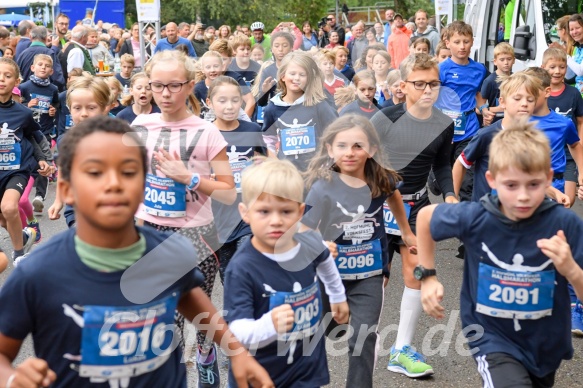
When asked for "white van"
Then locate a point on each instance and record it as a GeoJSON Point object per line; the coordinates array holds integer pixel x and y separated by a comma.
{"type": "Point", "coordinates": [532, 29]}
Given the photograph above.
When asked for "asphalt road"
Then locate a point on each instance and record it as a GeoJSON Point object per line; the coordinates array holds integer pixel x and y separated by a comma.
{"type": "Point", "coordinates": [440, 341]}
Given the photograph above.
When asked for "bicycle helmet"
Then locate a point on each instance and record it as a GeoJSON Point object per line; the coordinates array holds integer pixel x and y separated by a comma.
{"type": "Point", "coordinates": [257, 26]}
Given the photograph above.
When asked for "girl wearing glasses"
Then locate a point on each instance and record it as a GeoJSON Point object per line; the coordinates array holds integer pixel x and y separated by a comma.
{"type": "Point", "coordinates": [183, 149]}
{"type": "Point", "coordinates": [139, 101]}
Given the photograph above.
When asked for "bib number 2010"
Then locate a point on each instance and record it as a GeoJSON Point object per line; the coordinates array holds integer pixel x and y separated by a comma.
{"type": "Point", "coordinates": [126, 343]}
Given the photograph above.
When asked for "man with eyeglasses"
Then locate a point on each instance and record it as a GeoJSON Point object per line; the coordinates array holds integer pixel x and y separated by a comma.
{"type": "Point", "coordinates": [416, 136]}
{"type": "Point", "coordinates": [62, 29]}
{"type": "Point", "coordinates": [331, 21]}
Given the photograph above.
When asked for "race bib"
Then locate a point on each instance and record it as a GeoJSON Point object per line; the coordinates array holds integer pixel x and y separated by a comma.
{"type": "Point", "coordinates": [44, 103]}
{"type": "Point", "coordinates": [68, 121]}
{"type": "Point", "coordinates": [515, 295]}
{"type": "Point", "coordinates": [10, 152]}
{"type": "Point", "coordinates": [122, 342]}
{"type": "Point", "coordinates": [295, 141]}
{"type": "Point", "coordinates": [360, 261]}
{"type": "Point", "coordinates": [259, 114]}
{"type": "Point", "coordinates": [307, 307]}
{"type": "Point", "coordinates": [164, 197]}
{"type": "Point", "coordinates": [391, 226]}
{"type": "Point", "coordinates": [459, 121]}
{"type": "Point", "coordinates": [237, 167]}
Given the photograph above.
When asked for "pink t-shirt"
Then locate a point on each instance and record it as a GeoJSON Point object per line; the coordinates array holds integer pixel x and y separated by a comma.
{"type": "Point", "coordinates": [137, 53]}
{"type": "Point", "coordinates": [198, 141]}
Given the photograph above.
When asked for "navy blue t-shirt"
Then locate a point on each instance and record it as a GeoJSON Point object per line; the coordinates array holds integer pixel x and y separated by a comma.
{"type": "Point", "coordinates": [348, 216]}
{"type": "Point", "coordinates": [560, 132]}
{"type": "Point", "coordinates": [245, 89]}
{"type": "Point", "coordinates": [201, 92]}
{"type": "Point", "coordinates": [65, 322]}
{"type": "Point", "coordinates": [249, 74]}
{"type": "Point", "coordinates": [360, 108]}
{"type": "Point", "coordinates": [254, 282]}
{"type": "Point", "coordinates": [568, 104]}
{"type": "Point", "coordinates": [64, 120]}
{"type": "Point", "coordinates": [459, 85]}
{"type": "Point", "coordinates": [505, 297]}
{"type": "Point", "coordinates": [243, 143]}
{"type": "Point", "coordinates": [491, 90]}
{"type": "Point", "coordinates": [47, 96]}
{"type": "Point", "coordinates": [123, 81]}
{"type": "Point", "coordinates": [128, 114]}
{"type": "Point", "coordinates": [477, 154]}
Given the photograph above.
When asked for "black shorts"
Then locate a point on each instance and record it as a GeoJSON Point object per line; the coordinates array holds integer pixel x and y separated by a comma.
{"type": "Point", "coordinates": [395, 242]}
{"type": "Point", "coordinates": [16, 182]}
{"type": "Point", "coordinates": [501, 370]}
{"type": "Point", "coordinates": [570, 173]}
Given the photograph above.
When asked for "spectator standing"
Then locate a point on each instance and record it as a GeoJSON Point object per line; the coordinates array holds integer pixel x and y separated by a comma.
{"type": "Point", "coordinates": [424, 30]}
{"type": "Point", "coordinates": [172, 40]}
{"type": "Point", "coordinates": [389, 17]}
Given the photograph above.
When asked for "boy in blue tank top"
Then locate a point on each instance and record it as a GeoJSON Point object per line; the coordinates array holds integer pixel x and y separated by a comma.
{"type": "Point", "coordinates": [104, 313]}
{"type": "Point", "coordinates": [522, 250]}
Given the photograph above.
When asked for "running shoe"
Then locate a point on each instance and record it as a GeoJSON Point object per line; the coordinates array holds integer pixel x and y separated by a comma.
{"type": "Point", "coordinates": [408, 362]}
{"type": "Point", "coordinates": [38, 204]}
{"type": "Point", "coordinates": [36, 226]}
{"type": "Point", "coordinates": [208, 372]}
{"type": "Point", "coordinates": [577, 319]}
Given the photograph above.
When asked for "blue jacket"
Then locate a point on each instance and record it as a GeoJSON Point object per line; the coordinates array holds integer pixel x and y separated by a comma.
{"type": "Point", "coordinates": [26, 59]}
{"type": "Point", "coordinates": [387, 33]}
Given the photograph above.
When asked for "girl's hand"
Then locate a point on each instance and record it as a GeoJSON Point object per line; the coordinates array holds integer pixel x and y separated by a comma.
{"type": "Point", "coordinates": [247, 370]}
{"type": "Point", "coordinates": [410, 241]}
{"type": "Point", "coordinates": [340, 312]}
{"type": "Point", "coordinates": [33, 372]}
{"type": "Point", "coordinates": [172, 166]}
{"type": "Point", "coordinates": [267, 84]}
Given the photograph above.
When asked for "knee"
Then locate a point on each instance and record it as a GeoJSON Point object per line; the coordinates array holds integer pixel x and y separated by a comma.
{"type": "Point", "coordinates": [9, 209]}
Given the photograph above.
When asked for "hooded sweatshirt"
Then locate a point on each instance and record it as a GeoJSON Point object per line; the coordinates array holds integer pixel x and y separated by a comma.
{"type": "Point", "coordinates": [398, 46]}
{"type": "Point", "coordinates": [511, 290]}
{"type": "Point", "coordinates": [431, 34]}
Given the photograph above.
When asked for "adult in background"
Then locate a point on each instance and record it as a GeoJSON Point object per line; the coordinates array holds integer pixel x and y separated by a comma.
{"type": "Point", "coordinates": [358, 43]}
{"type": "Point", "coordinates": [331, 21]}
{"type": "Point", "coordinates": [424, 30]}
{"type": "Point", "coordinates": [184, 30]}
{"type": "Point", "coordinates": [200, 45]}
{"type": "Point", "coordinates": [309, 38]}
{"type": "Point", "coordinates": [379, 32]}
{"type": "Point", "coordinates": [38, 37]}
{"type": "Point", "coordinates": [224, 32]}
{"type": "Point", "coordinates": [172, 40]}
{"type": "Point", "coordinates": [24, 28]}
{"type": "Point", "coordinates": [131, 45]}
{"type": "Point", "coordinates": [4, 40]}
{"type": "Point", "coordinates": [76, 54]}
{"type": "Point", "coordinates": [62, 29]}
{"type": "Point", "coordinates": [389, 17]}
{"type": "Point", "coordinates": [260, 38]}
{"type": "Point", "coordinates": [398, 47]}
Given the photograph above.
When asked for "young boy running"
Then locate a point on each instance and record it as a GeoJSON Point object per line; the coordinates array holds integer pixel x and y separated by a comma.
{"type": "Point", "coordinates": [503, 60]}
{"type": "Point", "coordinates": [272, 294]}
{"type": "Point", "coordinates": [417, 136]}
{"type": "Point", "coordinates": [521, 251]}
{"type": "Point", "coordinates": [112, 324]}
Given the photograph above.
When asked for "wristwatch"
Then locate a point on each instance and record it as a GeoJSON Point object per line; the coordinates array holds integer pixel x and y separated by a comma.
{"type": "Point", "coordinates": [421, 272]}
{"type": "Point", "coordinates": [194, 182]}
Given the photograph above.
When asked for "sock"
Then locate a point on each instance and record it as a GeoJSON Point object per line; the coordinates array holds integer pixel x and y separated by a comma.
{"type": "Point", "coordinates": [207, 358]}
{"type": "Point", "coordinates": [18, 253]}
{"type": "Point", "coordinates": [34, 220]}
{"type": "Point", "coordinates": [409, 317]}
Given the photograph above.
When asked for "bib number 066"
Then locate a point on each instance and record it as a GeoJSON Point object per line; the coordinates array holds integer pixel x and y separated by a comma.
{"type": "Point", "coordinates": [115, 344]}
{"type": "Point", "coordinates": [8, 157]}
{"type": "Point", "coordinates": [511, 295]}
{"type": "Point", "coordinates": [356, 262]}
{"type": "Point", "coordinates": [162, 197]}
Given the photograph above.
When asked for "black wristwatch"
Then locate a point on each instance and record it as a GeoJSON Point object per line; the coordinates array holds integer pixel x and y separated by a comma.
{"type": "Point", "coordinates": [421, 273]}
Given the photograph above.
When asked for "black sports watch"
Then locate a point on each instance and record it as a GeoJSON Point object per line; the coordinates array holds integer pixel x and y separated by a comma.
{"type": "Point", "coordinates": [421, 272]}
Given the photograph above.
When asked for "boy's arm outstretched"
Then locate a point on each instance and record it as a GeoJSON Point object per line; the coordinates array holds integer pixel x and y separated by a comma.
{"type": "Point", "coordinates": [431, 288]}
{"type": "Point", "coordinates": [197, 307]}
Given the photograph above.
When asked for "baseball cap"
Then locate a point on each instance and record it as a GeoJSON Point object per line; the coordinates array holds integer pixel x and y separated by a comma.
{"type": "Point", "coordinates": [398, 15]}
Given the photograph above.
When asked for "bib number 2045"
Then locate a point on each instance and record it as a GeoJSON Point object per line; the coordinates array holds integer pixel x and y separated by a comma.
{"type": "Point", "coordinates": [160, 196]}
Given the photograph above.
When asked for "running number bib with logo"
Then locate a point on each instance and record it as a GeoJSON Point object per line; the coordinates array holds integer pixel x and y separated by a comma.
{"type": "Point", "coordinates": [237, 167]}
{"type": "Point", "coordinates": [10, 152]}
{"type": "Point", "coordinates": [123, 342]}
{"type": "Point", "coordinates": [360, 261]}
{"type": "Point", "coordinates": [515, 295]}
{"type": "Point", "coordinates": [307, 307]}
{"type": "Point", "coordinates": [68, 121]}
{"type": "Point", "coordinates": [44, 103]}
{"type": "Point", "coordinates": [164, 197]}
{"type": "Point", "coordinates": [260, 114]}
{"type": "Point", "coordinates": [391, 226]}
{"type": "Point", "coordinates": [459, 121]}
{"type": "Point", "coordinates": [295, 141]}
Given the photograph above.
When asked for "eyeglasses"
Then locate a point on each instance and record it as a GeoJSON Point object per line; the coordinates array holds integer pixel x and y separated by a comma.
{"type": "Point", "coordinates": [421, 85]}
{"type": "Point", "coordinates": [174, 87]}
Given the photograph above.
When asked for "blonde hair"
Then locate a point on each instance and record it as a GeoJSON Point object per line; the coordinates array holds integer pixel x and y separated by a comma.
{"type": "Point", "coordinates": [393, 76]}
{"type": "Point", "coordinates": [11, 63]}
{"type": "Point", "coordinates": [420, 61]}
{"type": "Point", "coordinates": [128, 58]}
{"type": "Point", "coordinates": [222, 47]}
{"type": "Point", "coordinates": [462, 28]}
{"type": "Point", "coordinates": [503, 48]}
{"type": "Point", "coordinates": [554, 53]}
{"type": "Point", "coordinates": [114, 83]}
{"type": "Point", "coordinates": [42, 57]}
{"type": "Point", "coordinates": [344, 96]}
{"type": "Point", "coordinates": [256, 88]}
{"type": "Point", "coordinates": [272, 176]}
{"type": "Point", "coordinates": [174, 56]}
{"type": "Point", "coordinates": [541, 74]}
{"type": "Point", "coordinates": [129, 99]}
{"type": "Point", "coordinates": [96, 85]}
{"type": "Point", "coordinates": [563, 23]}
{"type": "Point", "coordinates": [511, 84]}
{"type": "Point", "coordinates": [340, 48]}
{"type": "Point", "coordinates": [314, 93]}
{"type": "Point", "coordinates": [521, 146]}
{"type": "Point", "coordinates": [238, 41]}
{"type": "Point", "coordinates": [362, 75]}
{"type": "Point", "coordinates": [440, 46]}
{"type": "Point", "coordinates": [326, 54]}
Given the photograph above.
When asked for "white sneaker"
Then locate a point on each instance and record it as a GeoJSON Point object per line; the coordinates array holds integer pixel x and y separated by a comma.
{"type": "Point", "coordinates": [17, 261]}
{"type": "Point", "coordinates": [38, 204]}
{"type": "Point", "coordinates": [30, 237]}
